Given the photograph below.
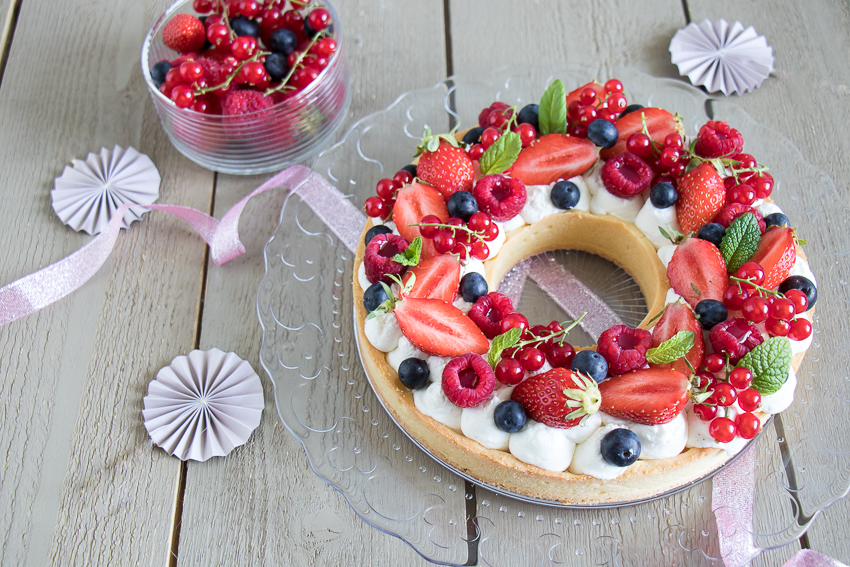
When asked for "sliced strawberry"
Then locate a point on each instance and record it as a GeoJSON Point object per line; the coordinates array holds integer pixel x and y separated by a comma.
{"type": "Point", "coordinates": [776, 254]}
{"type": "Point", "coordinates": [436, 278]}
{"type": "Point", "coordinates": [701, 197]}
{"type": "Point", "coordinates": [553, 157]}
{"type": "Point", "coordinates": [597, 87]}
{"type": "Point", "coordinates": [558, 398]}
{"type": "Point", "coordinates": [439, 328]}
{"type": "Point", "coordinates": [679, 317]}
{"type": "Point", "coordinates": [412, 204]}
{"type": "Point", "coordinates": [697, 271]}
{"type": "Point", "coordinates": [659, 123]}
{"type": "Point", "coordinates": [650, 396]}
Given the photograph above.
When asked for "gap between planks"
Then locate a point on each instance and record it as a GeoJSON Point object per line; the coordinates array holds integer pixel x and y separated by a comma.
{"type": "Point", "coordinates": [8, 34]}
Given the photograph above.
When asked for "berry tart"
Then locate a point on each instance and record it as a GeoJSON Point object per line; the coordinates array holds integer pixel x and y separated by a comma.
{"type": "Point", "coordinates": [510, 402]}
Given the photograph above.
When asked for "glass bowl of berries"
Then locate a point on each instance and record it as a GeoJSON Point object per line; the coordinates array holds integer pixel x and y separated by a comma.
{"type": "Point", "coordinates": [247, 86]}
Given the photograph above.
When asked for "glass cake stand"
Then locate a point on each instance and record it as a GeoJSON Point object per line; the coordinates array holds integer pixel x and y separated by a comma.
{"type": "Point", "coordinates": [323, 396]}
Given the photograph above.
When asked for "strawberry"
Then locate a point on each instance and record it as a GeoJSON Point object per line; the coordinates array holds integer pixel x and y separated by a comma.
{"type": "Point", "coordinates": [679, 317]}
{"type": "Point", "coordinates": [438, 328]}
{"type": "Point", "coordinates": [558, 398]}
{"type": "Point", "coordinates": [553, 157]}
{"type": "Point", "coordinates": [659, 123]}
{"type": "Point", "coordinates": [701, 197]}
{"type": "Point", "coordinates": [444, 165]}
{"type": "Point", "coordinates": [776, 254]}
{"type": "Point", "coordinates": [650, 396]}
{"type": "Point", "coordinates": [436, 278]}
{"type": "Point", "coordinates": [413, 203]}
{"type": "Point", "coordinates": [184, 33]}
{"type": "Point", "coordinates": [598, 88]}
{"type": "Point", "coordinates": [697, 271]}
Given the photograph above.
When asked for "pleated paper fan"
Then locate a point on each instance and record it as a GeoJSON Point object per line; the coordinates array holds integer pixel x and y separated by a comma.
{"type": "Point", "coordinates": [721, 57]}
{"type": "Point", "coordinates": [88, 193]}
{"type": "Point", "coordinates": [203, 405]}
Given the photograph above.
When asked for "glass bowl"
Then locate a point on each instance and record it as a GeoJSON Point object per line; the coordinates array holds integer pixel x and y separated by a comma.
{"type": "Point", "coordinates": [259, 142]}
{"type": "Point", "coordinates": [324, 398]}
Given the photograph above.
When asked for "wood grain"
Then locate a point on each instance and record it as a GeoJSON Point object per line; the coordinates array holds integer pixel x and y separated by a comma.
{"type": "Point", "coordinates": [81, 482]}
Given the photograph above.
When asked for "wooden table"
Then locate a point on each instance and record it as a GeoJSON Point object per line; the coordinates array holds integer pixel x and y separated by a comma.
{"type": "Point", "coordinates": [81, 482]}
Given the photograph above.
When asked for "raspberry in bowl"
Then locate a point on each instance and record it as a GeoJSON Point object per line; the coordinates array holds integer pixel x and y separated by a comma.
{"type": "Point", "coordinates": [247, 86]}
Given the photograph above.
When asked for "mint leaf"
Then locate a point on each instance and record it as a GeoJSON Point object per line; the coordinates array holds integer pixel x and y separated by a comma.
{"type": "Point", "coordinates": [500, 343]}
{"type": "Point", "coordinates": [552, 116]}
{"type": "Point", "coordinates": [672, 349]}
{"type": "Point", "coordinates": [410, 256]}
{"type": "Point", "coordinates": [501, 155]}
{"type": "Point", "coordinates": [740, 241]}
{"type": "Point", "coordinates": [769, 362]}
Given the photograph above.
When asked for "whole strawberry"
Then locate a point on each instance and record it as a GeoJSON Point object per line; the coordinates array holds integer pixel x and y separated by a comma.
{"type": "Point", "coordinates": [184, 33]}
{"type": "Point", "coordinates": [558, 398]}
{"type": "Point", "coordinates": [701, 196]}
{"type": "Point", "coordinates": [444, 165]}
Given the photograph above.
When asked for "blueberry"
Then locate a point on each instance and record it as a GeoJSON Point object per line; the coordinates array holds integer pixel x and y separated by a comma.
{"type": "Point", "coordinates": [411, 169]}
{"type": "Point", "coordinates": [462, 205]}
{"type": "Point", "coordinates": [565, 195]}
{"type": "Point", "coordinates": [591, 364]}
{"type": "Point", "coordinates": [663, 195]}
{"type": "Point", "coordinates": [777, 219]}
{"type": "Point", "coordinates": [311, 33]}
{"type": "Point", "coordinates": [414, 373]}
{"type": "Point", "coordinates": [472, 286]}
{"type": "Point", "coordinates": [509, 416]}
{"type": "Point", "coordinates": [374, 296]}
{"type": "Point", "coordinates": [529, 115]}
{"type": "Point", "coordinates": [712, 232]}
{"type": "Point", "coordinates": [631, 108]}
{"type": "Point", "coordinates": [243, 26]}
{"type": "Point", "coordinates": [620, 447]}
{"type": "Point", "coordinates": [375, 231]}
{"type": "Point", "coordinates": [710, 312]}
{"type": "Point", "coordinates": [159, 71]}
{"type": "Point", "coordinates": [602, 133]}
{"type": "Point", "coordinates": [473, 136]}
{"type": "Point", "coordinates": [802, 283]}
{"type": "Point", "coordinates": [276, 66]}
{"type": "Point", "coordinates": [283, 41]}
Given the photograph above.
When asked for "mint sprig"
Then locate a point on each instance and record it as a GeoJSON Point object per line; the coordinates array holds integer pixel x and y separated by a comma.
{"type": "Point", "coordinates": [552, 111]}
{"type": "Point", "coordinates": [740, 242]}
{"type": "Point", "coordinates": [672, 349]}
{"type": "Point", "coordinates": [500, 343]}
{"type": "Point", "coordinates": [410, 255]}
{"type": "Point", "coordinates": [769, 362]}
{"type": "Point", "coordinates": [501, 155]}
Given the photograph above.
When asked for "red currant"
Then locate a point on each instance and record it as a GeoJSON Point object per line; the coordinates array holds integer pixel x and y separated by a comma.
{"type": "Point", "coordinates": [386, 188]}
{"type": "Point", "coordinates": [743, 194]}
{"type": "Point", "coordinates": [734, 297]}
{"type": "Point", "coordinates": [777, 327]}
{"type": "Point", "coordinates": [513, 321]}
{"type": "Point", "coordinates": [678, 170]}
{"type": "Point", "coordinates": [244, 47]}
{"type": "Point", "coordinates": [673, 140]}
{"type": "Point", "coordinates": [749, 400]}
{"type": "Point", "coordinates": [587, 114]}
{"type": "Point", "coordinates": [444, 242]}
{"type": "Point", "coordinates": [555, 327]}
{"type": "Point", "coordinates": [763, 185]}
{"type": "Point", "coordinates": [303, 76]}
{"type": "Point", "coordinates": [489, 137]}
{"type": "Point", "coordinates": [607, 114]}
{"type": "Point", "coordinates": [202, 6]}
{"type": "Point", "coordinates": [801, 329]}
{"type": "Point", "coordinates": [572, 110]}
{"type": "Point", "coordinates": [752, 272]}
{"type": "Point", "coordinates": [480, 250]}
{"type": "Point", "coordinates": [639, 144]}
{"type": "Point", "coordinates": [402, 177]}
{"type": "Point", "coordinates": [724, 394]}
{"type": "Point", "coordinates": [253, 72]}
{"type": "Point", "coordinates": [613, 86]}
{"type": "Point", "coordinates": [527, 133]}
{"type": "Point", "coordinates": [492, 233]}
{"type": "Point", "coordinates": [560, 355]}
{"type": "Point", "coordinates": [191, 71]}
{"type": "Point", "coordinates": [325, 47]}
{"type": "Point", "coordinates": [479, 222]}
{"type": "Point", "coordinates": [374, 207]}
{"type": "Point", "coordinates": [617, 103]}
{"type": "Point", "coordinates": [782, 308]}
{"type": "Point", "coordinates": [460, 249]}
{"type": "Point", "coordinates": [509, 371]}
{"type": "Point", "coordinates": [714, 362]}
{"type": "Point", "coordinates": [756, 309]}
{"type": "Point", "coordinates": [747, 161]}
{"type": "Point", "coordinates": [669, 157]}
{"type": "Point", "coordinates": [475, 152]}
{"type": "Point", "coordinates": [319, 19]}
{"type": "Point", "coordinates": [704, 412]}
{"type": "Point", "coordinates": [587, 96]}
{"type": "Point", "coordinates": [799, 299]}
{"type": "Point", "coordinates": [182, 96]}
{"type": "Point", "coordinates": [578, 130]}
{"type": "Point", "coordinates": [722, 429]}
{"type": "Point", "coordinates": [249, 8]}
{"type": "Point", "coordinates": [292, 20]}
{"type": "Point", "coordinates": [532, 358]}
{"type": "Point", "coordinates": [429, 231]}
{"type": "Point", "coordinates": [748, 425]}
{"type": "Point", "coordinates": [741, 378]}
{"type": "Point", "coordinates": [272, 21]}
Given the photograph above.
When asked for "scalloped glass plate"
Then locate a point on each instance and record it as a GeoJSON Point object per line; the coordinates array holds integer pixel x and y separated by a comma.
{"type": "Point", "coordinates": [323, 397]}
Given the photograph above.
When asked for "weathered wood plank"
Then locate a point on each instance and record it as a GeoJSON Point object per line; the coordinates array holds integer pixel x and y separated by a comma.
{"type": "Point", "coordinates": [80, 481]}
{"type": "Point", "coordinates": [263, 503]}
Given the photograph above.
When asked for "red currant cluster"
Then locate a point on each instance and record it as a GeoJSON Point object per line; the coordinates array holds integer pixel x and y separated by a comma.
{"type": "Point", "coordinates": [497, 119]}
{"type": "Point", "coordinates": [595, 101]}
{"type": "Point", "coordinates": [456, 237]}
{"type": "Point", "coordinates": [758, 304]}
{"type": "Point", "coordinates": [749, 181]}
{"type": "Point", "coordinates": [724, 394]}
{"type": "Point", "coordinates": [668, 160]}
{"type": "Point", "coordinates": [538, 345]}
{"type": "Point", "coordinates": [381, 206]}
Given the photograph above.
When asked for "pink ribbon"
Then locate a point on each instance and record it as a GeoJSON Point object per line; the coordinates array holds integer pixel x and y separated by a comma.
{"type": "Point", "coordinates": [809, 558]}
{"type": "Point", "coordinates": [52, 283]}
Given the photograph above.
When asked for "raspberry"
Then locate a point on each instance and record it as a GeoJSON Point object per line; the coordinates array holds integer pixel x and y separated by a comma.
{"type": "Point", "coordinates": [624, 348]}
{"type": "Point", "coordinates": [735, 337]}
{"type": "Point", "coordinates": [500, 197]}
{"type": "Point", "coordinates": [242, 102]}
{"type": "Point", "coordinates": [488, 312]}
{"type": "Point", "coordinates": [468, 380]}
{"type": "Point", "coordinates": [378, 257]}
{"type": "Point", "coordinates": [626, 175]}
{"type": "Point", "coordinates": [716, 139]}
{"type": "Point", "coordinates": [212, 70]}
{"type": "Point", "coordinates": [732, 211]}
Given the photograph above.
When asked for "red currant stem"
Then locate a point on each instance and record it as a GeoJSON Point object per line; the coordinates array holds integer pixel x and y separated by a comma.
{"type": "Point", "coordinates": [226, 83]}
{"type": "Point", "coordinates": [298, 63]}
{"type": "Point", "coordinates": [736, 172]}
{"type": "Point", "coordinates": [556, 335]}
{"type": "Point", "coordinates": [226, 20]}
{"type": "Point", "coordinates": [452, 227]}
{"type": "Point", "coordinates": [756, 286]}
{"type": "Point", "coordinates": [512, 121]}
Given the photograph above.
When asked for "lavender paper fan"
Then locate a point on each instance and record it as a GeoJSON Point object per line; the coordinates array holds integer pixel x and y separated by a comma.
{"type": "Point", "coordinates": [203, 405]}
{"type": "Point", "coordinates": [88, 193]}
{"type": "Point", "coordinates": [722, 58]}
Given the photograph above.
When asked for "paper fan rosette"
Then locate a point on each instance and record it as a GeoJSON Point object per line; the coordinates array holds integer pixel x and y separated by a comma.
{"type": "Point", "coordinates": [203, 405]}
{"type": "Point", "coordinates": [88, 193]}
{"type": "Point", "coordinates": [721, 57]}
